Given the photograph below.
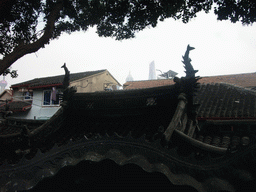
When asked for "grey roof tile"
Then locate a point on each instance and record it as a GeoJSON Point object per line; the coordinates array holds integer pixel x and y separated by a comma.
{"type": "Point", "coordinates": [224, 100]}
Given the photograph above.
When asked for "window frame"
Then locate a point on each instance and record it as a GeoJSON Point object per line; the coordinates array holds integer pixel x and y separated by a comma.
{"type": "Point", "coordinates": [51, 101]}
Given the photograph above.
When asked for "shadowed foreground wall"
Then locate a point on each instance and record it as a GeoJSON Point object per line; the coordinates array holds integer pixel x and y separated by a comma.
{"type": "Point", "coordinates": [107, 175]}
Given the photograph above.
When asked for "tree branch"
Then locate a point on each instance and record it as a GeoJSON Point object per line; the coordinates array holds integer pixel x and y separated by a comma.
{"type": "Point", "coordinates": [24, 49]}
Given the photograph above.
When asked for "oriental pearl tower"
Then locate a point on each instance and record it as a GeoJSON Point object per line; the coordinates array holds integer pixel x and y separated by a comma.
{"type": "Point", "coordinates": [3, 84]}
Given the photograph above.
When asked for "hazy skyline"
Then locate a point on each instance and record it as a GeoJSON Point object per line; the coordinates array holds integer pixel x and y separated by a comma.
{"type": "Point", "coordinates": [221, 47]}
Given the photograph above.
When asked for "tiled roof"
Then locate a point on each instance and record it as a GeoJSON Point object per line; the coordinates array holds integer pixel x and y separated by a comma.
{"type": "Point", "coordinates": [225, 101]}
{"type": "Point", "coordinates": [17, 106]}
{"type": "Point", "coordinates": [217, 100]}
{"type": "Point", "coordinates": [55, 79]}
{"type": "Point", "coordinates": [147, 83]}
{"type": "Point", "coordinates": [243, 80]}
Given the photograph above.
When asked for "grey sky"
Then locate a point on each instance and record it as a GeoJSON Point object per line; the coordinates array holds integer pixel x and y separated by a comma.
{"type": "Point", "coordinates": [221, 48]}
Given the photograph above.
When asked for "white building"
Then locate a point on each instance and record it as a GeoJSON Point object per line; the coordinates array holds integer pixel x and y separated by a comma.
{"type": "Point", "coordinates": [40, 98]}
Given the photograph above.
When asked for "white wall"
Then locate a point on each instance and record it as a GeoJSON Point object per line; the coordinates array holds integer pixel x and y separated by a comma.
{"type": "Point", "coordinates": [38, 111]}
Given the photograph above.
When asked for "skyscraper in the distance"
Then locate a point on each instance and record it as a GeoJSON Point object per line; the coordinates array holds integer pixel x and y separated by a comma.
{"type": "Point", "coordinates": [3, 84]}
{"type": "Point", "coordinates": [152, 71]}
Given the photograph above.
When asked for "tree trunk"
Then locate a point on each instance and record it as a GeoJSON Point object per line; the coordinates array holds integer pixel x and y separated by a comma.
{"type": "Point", "coordinates": [24, 49]}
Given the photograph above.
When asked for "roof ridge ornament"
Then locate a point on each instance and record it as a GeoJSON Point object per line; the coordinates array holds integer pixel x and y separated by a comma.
{"type": "Point", "coordinates": [67, 91]}
{"type": "Point", "coordinates": [190, 72]}
{"type": "Point", "coordinates": [187, 88]}
{"type": "Point", "coordinates": [66, 77]}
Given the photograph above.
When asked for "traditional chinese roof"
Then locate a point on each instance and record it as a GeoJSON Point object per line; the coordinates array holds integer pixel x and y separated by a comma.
{"type": "Point", "coordinates": [225, 101]}
{"type": "Point", "coordinates": [154, 128]}
{"type": "Point", "coordinates": [99, 131]}
{"type": "Point", "coordinates": [217, 100]}
{"type": "Point", "coordinates": [16, 106]}
{"type": "Point", "coordinates": [54, 80]}
{"type": "Point", "coordinates": [147, 83]}
{"type": "Point", "coordinates": [247, 80]}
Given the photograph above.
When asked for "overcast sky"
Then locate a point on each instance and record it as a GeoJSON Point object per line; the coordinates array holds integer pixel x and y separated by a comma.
{"type": "Point", "coordinates": [221, 47]}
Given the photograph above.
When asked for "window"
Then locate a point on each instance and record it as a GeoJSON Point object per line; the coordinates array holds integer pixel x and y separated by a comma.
{"type": "Point", "coordinates": [47, 97]}
{"type": "Point", "coordinates": [51, 97]}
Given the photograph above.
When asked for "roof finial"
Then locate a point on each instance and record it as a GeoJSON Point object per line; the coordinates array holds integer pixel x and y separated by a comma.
{"type": "Point", "coordinates": [190, 72]}
{"type": "Point", "coordinates": [66, 77]}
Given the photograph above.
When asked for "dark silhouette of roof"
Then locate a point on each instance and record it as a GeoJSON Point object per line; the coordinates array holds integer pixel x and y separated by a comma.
{"type": "Point", "coordinates": [55, 80]}
{"type": "Point", "coordinates": [217, 100]}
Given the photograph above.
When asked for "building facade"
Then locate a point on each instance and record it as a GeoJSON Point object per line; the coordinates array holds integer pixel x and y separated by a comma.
{"type": "Point", "coordinates": [44, 94]}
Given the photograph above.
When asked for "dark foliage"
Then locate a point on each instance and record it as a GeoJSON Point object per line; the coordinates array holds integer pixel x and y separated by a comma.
{"type": "Point", "coordinates": [13, 73]}
{"type": "Point", "coordinates": [36, 22]}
